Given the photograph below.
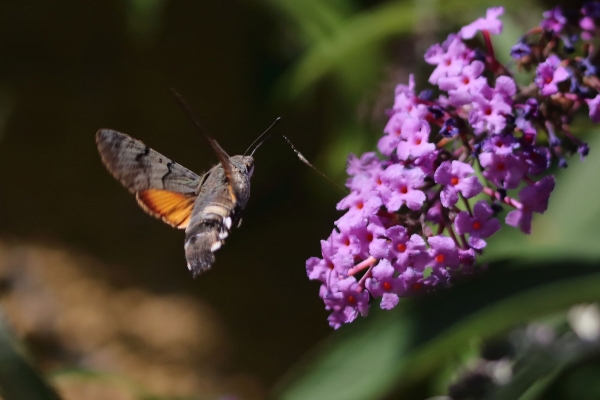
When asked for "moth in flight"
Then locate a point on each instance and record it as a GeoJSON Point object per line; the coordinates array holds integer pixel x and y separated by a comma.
{"type": "Point", "coordinates": [206, 206]}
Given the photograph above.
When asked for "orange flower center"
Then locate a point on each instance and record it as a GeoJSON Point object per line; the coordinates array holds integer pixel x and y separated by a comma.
{"type": "Point", "coordinates": [454, 181]}
{"type": "Point", "coordinates": [403, 189]}
{"type": "Point", "coordinates": [351, 300]}
{"type": "Point", "coordinates": [401, 247]}
{"type": "Point", "coordinates": [387, 286]}
{"type": "Point", "coordinates": [440, 258]}
{"type": "Point", "coordinates": [476, 225]}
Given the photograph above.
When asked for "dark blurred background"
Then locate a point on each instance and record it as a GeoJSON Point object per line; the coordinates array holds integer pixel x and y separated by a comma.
{"type": "Point", "coordinates": [71, 67]}
{"type": "Point", "coordinates": [68, 68]}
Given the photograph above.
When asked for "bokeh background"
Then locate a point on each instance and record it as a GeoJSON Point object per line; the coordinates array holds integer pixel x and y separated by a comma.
{"type": "Point", "coordinates": [95, 294]}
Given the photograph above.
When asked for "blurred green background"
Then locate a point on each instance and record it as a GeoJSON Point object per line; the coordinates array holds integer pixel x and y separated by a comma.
{"type": "Point", "coordinates": [88, 278]}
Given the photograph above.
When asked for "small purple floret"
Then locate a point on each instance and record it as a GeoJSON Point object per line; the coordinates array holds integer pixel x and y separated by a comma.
{"type": "Point", "coordinates": [549, 74]}
{"type": "Point", "coordinates": [490, 23]}
{"type": "Point", "coordinates": [415, 143]}
{"type": "Point", "coordinates": [347, 300]}
{"type": "Point", "coordinates": [443, 255]}
{"type": "Point", "coordinates": [480, 226]}
{"type": "Point", "coordinates": [401, 186]}
{"type": "Point", "coordinates": [383, 284]}
{"type": "Point", "coordinates": [456, 177]}
{"type": "Point", "coordinates": [534, 198]}
{"type": "Point", "coordinates": [594, 106]}
{"type": "Point", "coordinates": [554, 20]}
{"type": "Point", "coordinates": [520, 50]}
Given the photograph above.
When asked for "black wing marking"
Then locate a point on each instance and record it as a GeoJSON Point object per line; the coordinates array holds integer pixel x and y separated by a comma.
{"type": "Point", "coordinates": [138, 167]}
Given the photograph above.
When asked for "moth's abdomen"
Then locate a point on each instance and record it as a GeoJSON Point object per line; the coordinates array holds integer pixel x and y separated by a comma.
{"type": "Point", "coordinates": [205, 234]}
{"type": "Point", "coordinates": [199, 249]}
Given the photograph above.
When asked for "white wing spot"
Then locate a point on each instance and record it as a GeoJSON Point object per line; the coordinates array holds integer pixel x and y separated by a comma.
{"type": "Point", "coordinates": [227, 222]}
{"type": "Point", "coordinates": [223, 234]}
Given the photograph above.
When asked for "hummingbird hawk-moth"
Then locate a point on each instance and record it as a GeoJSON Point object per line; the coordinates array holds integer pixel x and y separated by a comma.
{"type": "Point", "coordinates": [206, 206]}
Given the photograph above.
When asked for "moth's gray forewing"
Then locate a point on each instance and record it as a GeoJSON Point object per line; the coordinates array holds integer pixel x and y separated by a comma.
{"type": "Point", "coordinates": [138, 167]}
{"type": "Point", "coordinates": [162, 187]}
{"type": "Point", "coordinates": [216, 211]}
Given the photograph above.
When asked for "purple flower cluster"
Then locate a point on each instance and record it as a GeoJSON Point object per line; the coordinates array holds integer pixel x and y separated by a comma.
{"type": "Point", "coordinates": [418, 218]}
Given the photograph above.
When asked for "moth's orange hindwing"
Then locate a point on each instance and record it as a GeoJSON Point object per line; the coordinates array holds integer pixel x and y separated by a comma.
{"type": "Point", "coordinates": [173, 208]}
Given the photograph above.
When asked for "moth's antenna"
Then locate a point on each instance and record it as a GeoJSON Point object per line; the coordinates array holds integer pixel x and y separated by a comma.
{"type": "Point", "coordinates": [263, 136]}
{"type": "Point", "coordinates": [186, 108]}
{"type": "Point", "coordinates": [305, 161]}
{"type": "Point", "coordinates": [221, 154]}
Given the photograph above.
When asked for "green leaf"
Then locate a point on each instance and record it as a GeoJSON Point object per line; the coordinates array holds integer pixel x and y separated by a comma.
{"type": "Point", "coordinates": [393, 350]}
{"type": "Point", "coordinates": [314, 19]}
{"type": "Point", "coordinates": [359, 33]}
{"type": "Point", "coordinates": [144, 18]}
{"type": "Point", "coordinates": [357, 367]}
{"type": "Point", "coordinates": [18, 379]}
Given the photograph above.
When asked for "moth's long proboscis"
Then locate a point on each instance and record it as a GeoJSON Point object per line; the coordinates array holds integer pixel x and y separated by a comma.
{"type": "Point", "coordinates": [305, 161]}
